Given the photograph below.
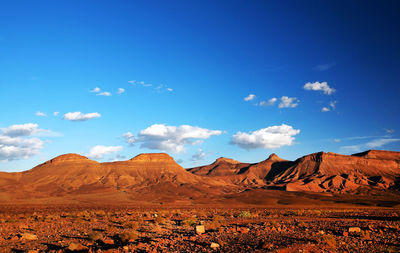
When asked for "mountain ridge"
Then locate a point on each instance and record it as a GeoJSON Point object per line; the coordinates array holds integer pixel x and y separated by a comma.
{"type": "Point", "coordinates": [156, 178]}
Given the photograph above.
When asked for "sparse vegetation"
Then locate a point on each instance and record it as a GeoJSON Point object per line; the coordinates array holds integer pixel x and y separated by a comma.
{"type": "Point", "coordinates": [95, 236]}
{"type": "Point", "coordinates": [129, 236]}
{"type": "Point", "coordinates": [129, 230]}
{"type": "Point", "coordinates": [244, 214]}
{"type": "Point", "coordinates": [190, 221]}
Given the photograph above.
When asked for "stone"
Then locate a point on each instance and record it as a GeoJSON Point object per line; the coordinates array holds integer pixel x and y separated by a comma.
{"type": "Point", "coordinates": [354, 230]}
{"type": "Point", "coordinates": [23, 226]}
{"type": "Point", "coordinates": [108, 241]}
{"type": "Point", "coordinates": [74, 246]}
{"type": "Point", "coordinates": [28, 236]}
{"type": "Point", "coordinates": [200, 229]}
{"type": "Point", "coordinates": [214, 245]}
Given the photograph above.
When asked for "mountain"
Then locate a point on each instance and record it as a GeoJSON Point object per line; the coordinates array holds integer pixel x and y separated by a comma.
{"type": "Point", "coordinates": [154, 177]}
{"type": "Point", "coordinates": [330, 172]}
{"type": "Point", "coordinates": [318, 172]}
{"type": "Point", "coordinates": [243, 174]}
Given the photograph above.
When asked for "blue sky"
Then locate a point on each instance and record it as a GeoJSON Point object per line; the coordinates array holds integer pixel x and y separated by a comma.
{"type": "Point", "coordinates": [177, 76]}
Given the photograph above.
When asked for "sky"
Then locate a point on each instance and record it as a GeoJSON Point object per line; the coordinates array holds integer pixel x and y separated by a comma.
{"type": "Point", "coordinates": [197, 79]}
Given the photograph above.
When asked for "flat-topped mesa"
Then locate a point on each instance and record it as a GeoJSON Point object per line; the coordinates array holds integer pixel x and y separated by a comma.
{"type": "Point", "coordinates": [227, 160]}
{"type": "Point", "coordinates": [319, 156]}
{"type": "Point", "coordinates": [153, 157]}
{"type": "Point", "coordinates": [379, 154]}
{"type": "Point", "coordinates": [69, 158]}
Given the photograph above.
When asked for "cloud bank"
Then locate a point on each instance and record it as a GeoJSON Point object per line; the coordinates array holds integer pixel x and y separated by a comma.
{"type": "Point", "coordinates": [16, 141]}
{"type": "Point", "coordinates": [269, 138]}
{"type": "Point", "coordinates": [317, 86]}
{"type": "Point", "coordinates": [169, 138]}
{"type": "Point", "coordinates": [78, 116]}
{"type": "Point", "coordinates": [99, 151]}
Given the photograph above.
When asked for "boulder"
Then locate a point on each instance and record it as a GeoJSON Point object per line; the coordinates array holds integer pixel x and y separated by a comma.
{"type": "Point", "coordinates": [214, 245]}
{"type": "Point", "coordinates": [354, 230]}
{"type": "Point", "coordinates": [200, 229]}
{"type": "Point", "coordinates": [28, 236]}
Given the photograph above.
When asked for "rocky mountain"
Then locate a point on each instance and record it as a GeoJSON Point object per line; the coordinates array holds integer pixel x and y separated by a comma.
{"type": "Point", "coordinates": [150, 176]}
{"type": "Point", "coordinates": [243, 174]}
{"type": "Point", "coordinates": [318, 172]}
{"type": "Point", "coordinates": [157, 178]}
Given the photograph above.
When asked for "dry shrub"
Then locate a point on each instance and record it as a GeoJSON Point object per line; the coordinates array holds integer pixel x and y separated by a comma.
{"type": "Point", "coordinates": [244, 214]}
{"type": "Point", "coordinates": [95, 236]}
{"type": "Point", "coordinates": [131, 225]}
{"type": "Point", "coordinates": [365, 235]}
{"type": "Point", "coordinates": [329, 240]}
{"type": "Point", "coordinates": [190, 221]}
{"type": "Point", "coordinates": [216, 222]}
{"type": "Point", "coordinates": [159, 220]}
{"type": "Point", "coordinates": [128, 236]}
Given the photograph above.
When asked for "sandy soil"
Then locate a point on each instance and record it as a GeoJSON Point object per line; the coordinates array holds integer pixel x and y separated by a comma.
{"type": "Point", "coordinates": [70, 228]}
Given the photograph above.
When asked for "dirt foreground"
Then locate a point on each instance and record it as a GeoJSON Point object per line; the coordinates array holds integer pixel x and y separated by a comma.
{"type": "Point", "coordinates": [134, 229]}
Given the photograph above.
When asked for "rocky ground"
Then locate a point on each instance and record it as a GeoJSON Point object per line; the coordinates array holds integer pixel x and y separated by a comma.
{"type": "Point", "coordinates": [127, 229]}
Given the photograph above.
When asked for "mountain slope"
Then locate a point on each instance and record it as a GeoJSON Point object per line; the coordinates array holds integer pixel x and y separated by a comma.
{"type": "Point", "coordinates": [318, 172]}
{"type": "Point", "coordinates": [156, 175]}
{"type": "Point", "coordinates": [330, 172]}
{"type": "Point", "coordinates": [243, 174]}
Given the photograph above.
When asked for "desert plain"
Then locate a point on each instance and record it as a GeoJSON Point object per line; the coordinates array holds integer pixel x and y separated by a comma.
{"type": "Point", "coordinates": [322, 202]}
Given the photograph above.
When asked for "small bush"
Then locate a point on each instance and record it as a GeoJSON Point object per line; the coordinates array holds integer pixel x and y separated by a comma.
{"type": "Point", "coordinates": [95, 236]}
{"type": "Point", "coordinates": [131, 225]}
{"type": "Point", "coordinates": [159, 220]}
{"type": "Point", "coordinates": [244, 214]}
{"type": "Point", "coordinates": [365, 235]}
{"type": "Point", "coordinates": [190, 221]}
{"type": "Point", "coordinates": [329, 240]}
{"type": "Point", "coordinates": [128, 236]}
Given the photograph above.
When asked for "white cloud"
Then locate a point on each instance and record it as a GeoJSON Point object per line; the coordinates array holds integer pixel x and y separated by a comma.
{"type": "Point", "coordinates": [270, 102]}
{"type": "Point", "coordinates": [97, 152]}
{"type": "Point", "coordinates": [288, 102]}
{"type": "Point", "coordinates": [20, 130]}
{"type": "Point", "coordinates": [157, 88]}
{"type": "Point", "coordinates": [324, 67]}
{"type": "Point", "coordinates": [117, 158]}
{"type": "Point", "coordinates": [317, 86]}
{"type": "Point", "coordinates": [105, 93]}
{"type": "Point", "coordinates": [95, 90]}
{"type": "Point", "coordinates": [389, 131]}
{"type": "Point", "coordinates": [269, 138]}
{"type": "Point", "coordinates": [170, 138]}
{"type": "Point", "coordinates": [377, 143]}
{"type": "Point", "coordinates": [27, 129]}
{"type": "Point", "coordinates": [40, 114]}
{"type": "Point", "coordinates": [129, 138]}
{"type": "Point", "coordinates": [56, 113]}
{"type": "Point", "coordinates": [249, 97]}
{"type": "Point", "coordinates": [15, 144]}
{"type": "Point", "coordinates": [199, 155]}
{"type": "Point", "coordinates": [120, 90]}
{"type": "Point", "coordinates": [332, 106]}
{"type": "Point", "coordinates": [350, 149]}
{"type": "Point", "coordinates": [78, 116]}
